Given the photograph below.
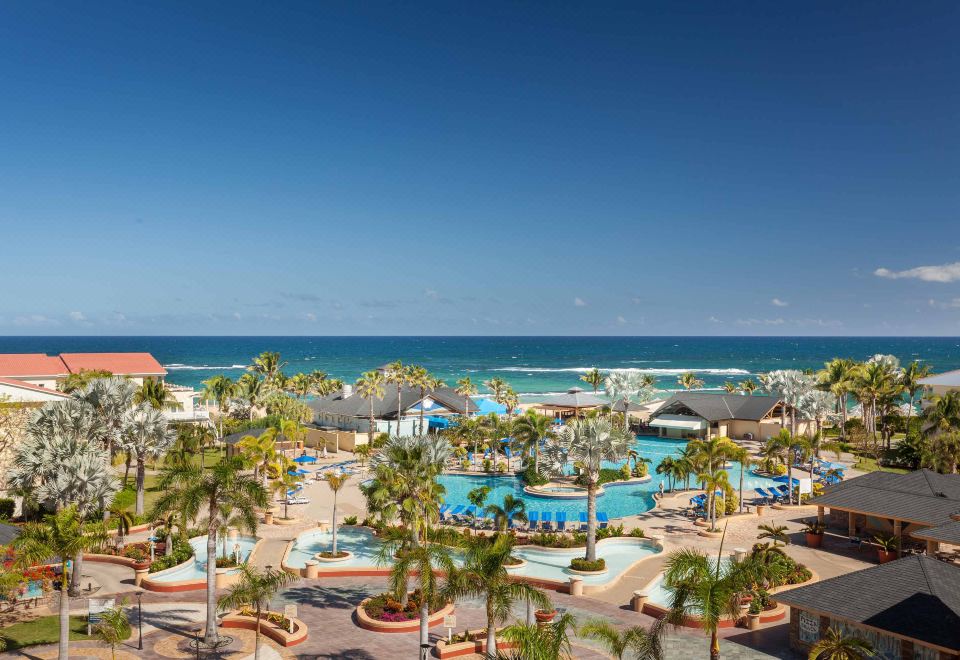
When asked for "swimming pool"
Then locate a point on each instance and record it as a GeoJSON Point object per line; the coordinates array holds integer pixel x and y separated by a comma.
{"type": "Point", "coordinates": [618, 501]}
{"type": "Point", "coordinates": [197, 570]}
{"type": "Point", "coordinates": [359, 541]}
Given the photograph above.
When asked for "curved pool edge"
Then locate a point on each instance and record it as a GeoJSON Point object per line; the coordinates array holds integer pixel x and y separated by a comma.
{"type": "Point", "coordinates": [331, 569]}
{"type": "Point", "coordinates": [225, 579]}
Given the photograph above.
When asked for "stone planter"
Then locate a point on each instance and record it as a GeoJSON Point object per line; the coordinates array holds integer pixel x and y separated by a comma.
{"type": "Point", "coordinates": [477, 645]}
{"type": "Point", "coordinates": [332, 560]}
{"type": "Point", "coordinates": [814, 540]}
{"type": "Point", "coordinates": [883, 556]}
{"type": "Point", "coordinates": [513, 567]}
{"type": "Point", "coordinates": [544, 616]}
{"type": "Point", "coordinates": [267, 629]}
{"type": "Point", "coordinates": [286, 521]}
{"type": "Point", "coordinates": [753, 621]}
{"type": "Point", "coordinates": [761, 509]}
{"type": "Point", "coordinates": [411, 625]}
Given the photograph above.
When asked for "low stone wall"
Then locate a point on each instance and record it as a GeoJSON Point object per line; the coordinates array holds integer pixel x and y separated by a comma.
{"type": "Point", "coordinates": [413, 625]}
{"type": "Point", "coordinates": [276, 633]}
{"type": "Point", "coordinates": [473, 647]}
{"type": "Point", "coordinates": [224, 577]}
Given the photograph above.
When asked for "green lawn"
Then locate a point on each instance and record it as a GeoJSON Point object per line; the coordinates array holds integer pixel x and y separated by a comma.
{"type": "Point", "coordinates": [212, 456]}
{"type": "Point", "coordinates": [867, 464]}
{"type": "Point", "coordinates": [45, 630]}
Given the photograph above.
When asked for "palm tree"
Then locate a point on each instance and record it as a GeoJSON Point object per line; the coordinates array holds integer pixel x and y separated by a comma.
{"type": "Point", "coordinates": [63, 535]}
{"type": "Point", "coordinates": [742, 456]}
{"type": "Point", "coordinates": [113, 628]}
{"type": "Point", "coordinates": [942, 453]}
{"type": "Point", "coordinates": [705, 588]}
{"type": "Point", "coordinates": [301, 385]}
{"type": "Point", "coordinates": [370, 387]}
{"type": "Point", "coordinates": [155, 394]}
{"type": "Point", "coordinates": [191, 490]}
{"type": "Point", "coordinates": [593, 378]}
{"type": "Point", "coordinates": [418, 377]}
{"type": "Point", "coordinates": [250, 389]}
{"type": "Point", "coordinates": [484, 574]}
{"type": "Point", "coordinates": [145, 435]}
{"type": "Point", "coordinates": [837, 645]}
{"type": "Point", "coordinates": [478, 498]}
{"type": "Point", "coordinates": [124, 522]}
{"type": "Point", "coordinates": [220, 389]}
{"type": "Point", "coordinates": [255, 589]}
{"type": "Point", "coordinates": [531, 430]}
{"type": "Point", "coordinates": [634, 642]}
{"type": "Point", "coordinates": [549, 642]}
{"type": "Point", "coordinates": [503, 516]}
{"type": "Point", "coordinates": [942, 415]}
{"type": "Point", "coordinates": [666, 467]}
{"type": "Point", "coordinates": [283, 482]}
{"type": "Point", "coordinates": [776, 533]}
{"type": "Point", "coordinates": [729, 387]}
{"type": "Point", "coordinates": [230, 519]}
{"type": "Point", "coordinates": [259, 451]}
{"type": "Point", "coordinates": [837, 378]}
{"type": "Point", "coordinates": [399, 375]}
{"type": "Point", "coordinates": [110, 398]}
{"type": "Point", "coordinates": [466, 389]}
{"type": "Point", "coordinates": [748, 386]}
{"type": "Point", "coordinates": [589, 442]}
{"type": "Point", "coordinates": [689, 381]}
{"type": "Point", "coordinates": [717, 479]}
{"type": "Point", "coordinates": [335, 482]}
{"type": "Point", "coordinates": [626, 386]}
{"type": "Point", "coordinates": [268, 365]}
{"type": "Point", "coordinates": [79, 381]}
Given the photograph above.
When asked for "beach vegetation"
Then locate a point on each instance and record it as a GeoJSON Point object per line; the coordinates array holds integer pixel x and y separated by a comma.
{"type": "Point", "coordinates": [254, 590]}
{"type": "Point", "coordinates": [634, 643]}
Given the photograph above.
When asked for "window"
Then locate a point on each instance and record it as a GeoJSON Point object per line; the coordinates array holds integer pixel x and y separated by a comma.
{"type": "Point", "coordinates": [809, 628]}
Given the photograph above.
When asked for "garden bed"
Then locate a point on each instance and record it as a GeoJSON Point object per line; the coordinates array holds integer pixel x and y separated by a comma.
{"type": "Point", "coordinates": [272, 624]}
{"type": "Point", "coordinates": [475, 643]}
{"type": "Point", "coordinates": [327, 556]}
{"type": "Point", "coordinates": [383, 614]}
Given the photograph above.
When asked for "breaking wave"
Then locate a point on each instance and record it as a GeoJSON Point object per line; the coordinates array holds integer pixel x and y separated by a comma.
{"type": "Point", "coordinates": [201, 367]}
{"type": "Point", "coordinates": [639, 370]}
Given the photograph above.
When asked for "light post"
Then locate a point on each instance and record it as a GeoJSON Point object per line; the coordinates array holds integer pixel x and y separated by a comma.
{"type": "Point", "coordinates": [424, 652]}
{"type": "Point", "coordinates": [140, 619]}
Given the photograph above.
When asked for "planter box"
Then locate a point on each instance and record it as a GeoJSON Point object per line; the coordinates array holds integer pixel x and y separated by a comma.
{"type": "Point", "coordinates": [883, 556]}
{"type": "Point", "coordinates": [814, 540]}
{"type": "Point", "coordinates": [411, 625]}
{"type": "Point", "coordinates": [470, 648]}
{"type": "Point", "coordinates": [267, 629]}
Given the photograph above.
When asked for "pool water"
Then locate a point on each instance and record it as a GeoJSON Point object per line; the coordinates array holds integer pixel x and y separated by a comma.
{"type": "Point", "coordinates": [358, 541]}
{"type": "Point", "coordinates": [198, 569]}
{"type": "Point", "coordinates": [619, 500]}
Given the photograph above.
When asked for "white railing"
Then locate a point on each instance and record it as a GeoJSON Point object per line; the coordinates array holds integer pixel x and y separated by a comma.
{"type": "Point", "coordinates": [196, 415]}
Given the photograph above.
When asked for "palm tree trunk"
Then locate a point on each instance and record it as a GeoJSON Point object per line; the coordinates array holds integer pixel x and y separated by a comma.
{"type": "Point", "coordinates": [714, 646]}
{"type": "Point", "coordinates": [373, 424]}
{"type": "Point", "coordinates": [256, 637]}
{"type": "Point", "coordinates": [789, 476]}
{"type": "Point", "coordinates": [76, 575]}
{"type": "Point", "coordinates": [334, 523]}
{"type": "Point", "coordinates": [741, 487]}
{"type": "Point", "coordinates": [210, 635]}
{"type": "Point", "coordinates": [63, 651]}
{"type": "Point", "coordinates": [399, 410]}
{"type": "Point", "coordinates": [592, 520]}
{"type": "Point", "coordinates": [141, 476]}
{"type": "Point", "coordinates": [491, 632]}
{"type": "Point", "coordinates": [536, 456]}
{"type": "Point", "coordinates": [126, 470]}
{"type": "Point", "coordinates": [422, 394]}
{"type": "Point", "coordinates": [424, 619]}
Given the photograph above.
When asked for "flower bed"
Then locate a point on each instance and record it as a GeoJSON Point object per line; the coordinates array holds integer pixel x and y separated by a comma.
{"type": "Point", "coordinates": [272, 624]}
{"type": "Point", "coordinates": [472, 642]}
{"type": "Point", "coordinates": [383, 613]}
{"type": "Point", "coordinates": [581, 565]}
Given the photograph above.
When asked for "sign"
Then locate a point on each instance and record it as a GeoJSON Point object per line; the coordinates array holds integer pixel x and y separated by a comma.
{"type": "Point", "coordinates": [95, 609]}
{"type": "Point", "coordinates": [450, 621]}
{"type": "Point", "coordinates": [805, 485]}
{"type": "Point", "coordinates": [290, 612]}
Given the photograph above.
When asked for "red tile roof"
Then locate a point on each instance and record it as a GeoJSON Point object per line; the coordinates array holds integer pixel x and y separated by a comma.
{"type": "Point", "coordinates": [13, 365]}
{"type": "Point", "coordinates": [121, 364]}
{"type": "Point", "coordinates": [30, 386]}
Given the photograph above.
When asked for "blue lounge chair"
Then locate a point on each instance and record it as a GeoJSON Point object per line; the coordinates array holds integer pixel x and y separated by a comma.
{"type": "Point", "coordinates": [561, 520]}
{"type": "Point", "coordinates": [603, 519]}
{"type": "Point", "coordinates": [472, 511]}
{"type": "Point", "coordinates": [533, 517]}
{"type": "Point", "coordinates": [583, 521]}
{"type": "Point", "coordinates": [546, 520]}
{"type": "Point", "coordinates": [456, 511]}
{"type": "Point", "coordinates": [762, 493]}
{"type": "Point", "coordinates": [443, 510]}
{"type": "Point", "coordinates": [774, 494]}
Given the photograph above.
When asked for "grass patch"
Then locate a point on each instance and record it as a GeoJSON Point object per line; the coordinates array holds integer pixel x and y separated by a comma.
{"type": "Point", "coordinates": [45, 630]}
{"type": "Point", "coordinates": [869, 464]}
{"type": "Point", "coordinates": [212, 456]}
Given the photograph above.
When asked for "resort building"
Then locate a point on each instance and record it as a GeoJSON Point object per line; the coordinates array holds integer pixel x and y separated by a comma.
{"type": "Point", "coordinates": [345, 415]}
{"type": "Point", "coordinates": [706, 414]}
{"type": "Point", "coordinates": [907, 609]}
{"type": "Point", "coordinates": [940, 384]}
{"type": "Point", "coordinates": [569, 404]}
{"type": "Point", "coordinates": [922, 505]}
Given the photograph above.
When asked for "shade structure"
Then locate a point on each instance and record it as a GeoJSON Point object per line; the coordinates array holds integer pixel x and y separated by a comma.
{"type": "Point", "coordinates": [533, 516]}
{"type": "Point", "coordinates": [457, 510]}
{"type": "Point", "coordinates": [471, 510]}
{"type": "Point", "coordinates": [784, 479]}
{"type": "Point", "coordinates": [685, 422]}
{"type": "Point", "coordinates": [603, 517]}
{"type": "Point", "coordinates": [304, 460]}
{"type": "Point", "coordinates": [297, 473]}
{"type": "Point", "coordinates": [443, 509]}
{"type": "Point", "coordinates": [583, 516]}
{"type": "Point", "coordinates": [561, 516]}
{"type": "Point", "coordinates": [546, 516]}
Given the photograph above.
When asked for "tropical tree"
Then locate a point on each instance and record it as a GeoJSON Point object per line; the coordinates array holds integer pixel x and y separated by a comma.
{"type": "Point", "coordinates": [540, 642]}
{"type": "Point", "coordinates": [466, 389]}
{"type": "Point", "coordinates": [110, 398]}
{"type": "Point", "coordinates": [626, 387]}
{"type": "Point", "coordinates": [335, 482]}
{"type": "Point", "coordinates": [837, 378]}
{"type": "Point", "coordinates": [513, 508]}
{"type": "Point", "coordinates": [942, 415]}
{"type": "Point", "coordinates": [113, 628]}
{"type": "Point", "coordinates": [471, 430]}
{"type": "Point", "coordinates": [942, 453]}
{"type": "Point", "coordinates": [268, 365]}
{"type": "Point", "coordinates": [666, 468]}
{"type": "Point", "coordinates": [593, 378]}
{"type": "Point", "coordinates": [819, 406]}
{"type": "Point", "coordinates": [774, 532]}
{"type": "Point", "coordinates": [633, 642]}
{"type": "Point", "coordinates": [478, 498]}
{"type": "Point", "coordinates": [259, 451]}
{"type": "Point", "coordinates": [370, 386]}
{"type": "Point", "coordinates": [145, 435]}
{"type": "Point", "coordinates": [193, 491]}
{"type": "Point", "coordinates": [255, 589]}
{"type": "Point", "coordinates": [300, 384]}
{"type": "Point", "coordinates": [64, 535]}
{"type": "Point", "coordinates": [588, 443]}
{"type": "Point", "coordinates": [155, 394]}
{"type": "Point", "coordinates": [715, 480]}
{"type": "Point", "coordinates": [220, 389]}
{"type": "Point", "coordinates": [689, 381]}
{"type": "Point", "coordinates": [484, 574]}
{"type": "Point", "coordinates": [744, 458]}
{"type": "Point", "coordinates": [531, 430]}
{"type": "Point", "coordinates": [249, 388]}
{"type": "Point", "coordinates": [748, 386]}
{"type": "Point", "coordinates": [124, 520]}
{"type": "Point", "coordinates": [79, 381]}
{"type": "Point", "coordinates": [398, 374]}
{"type": "Point", "coordinates": [838, 645]}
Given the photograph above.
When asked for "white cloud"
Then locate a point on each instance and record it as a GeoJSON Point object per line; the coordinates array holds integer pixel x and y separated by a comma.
{"type": "Point", "coordinates": [953, 303]}
{"type": "Point", "coordinates": [77, 316]}
{"type": "Point", "coordinates": [236, 315]}
{"type": "Point", "coordinates": [579, 302]}
{"type": "Point", "coordinates": [776, 302]}
{"type": "Point", "coordinates": [635, 300]}
{"type": "Point", "coordinates": [621, 320]}
{"type": "Point", "coordinates": [310, 316]}
{"type": "Point", "coordinates": [760, 321]}
{"type": "Point", "coordinates": [944, 273]}
{"type": "Point", "coordinates": [35, 319]}
{"type": "Point", "coordinates": [714, 319]}
{"type": "Point", "coordinates": [431, 294]}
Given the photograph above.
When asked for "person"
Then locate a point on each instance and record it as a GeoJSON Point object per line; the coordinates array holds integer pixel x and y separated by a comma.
{"type": "Point", "coordinates": [324, 451]}
{"type": "Point", "coordinates": [661, 490]}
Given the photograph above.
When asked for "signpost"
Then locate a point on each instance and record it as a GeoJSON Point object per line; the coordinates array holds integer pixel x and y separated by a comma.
{"type": "Point", "coordinates": [450, 622]}
{"type": "Point", "coordinates": [95, 608]}
{"type": "Point", "coordinates": [290, 612]}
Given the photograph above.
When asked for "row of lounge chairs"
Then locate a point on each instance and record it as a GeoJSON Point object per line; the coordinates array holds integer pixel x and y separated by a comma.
{"type": "Point", "coordinates": [536, 520]}
{"type": "Point", "coordinates": [772, 495]}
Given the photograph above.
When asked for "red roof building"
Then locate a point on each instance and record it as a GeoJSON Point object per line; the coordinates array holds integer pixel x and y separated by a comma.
{"type": "Point", "coordinates": [119, 364]}
{"type": "Point", "coordinates": [32, 365]}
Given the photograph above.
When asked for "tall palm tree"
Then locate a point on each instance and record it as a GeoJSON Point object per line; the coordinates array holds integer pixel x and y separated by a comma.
{"type": "Point", "coordinates": [705, 588]}
{"type": "Point", "coordinates": [269, 366]}
{"type": "Point", "coordinates": [531, 430]}
{"type": "Point", "coordinates": [113, 628]}
{"type": "Point", "coordinates": [193, 491]}
{"type": "Point", "coordinates": [742, 456]}
{"type": "Point", "coordinates": [155, 394]}
{"type": "Point", "coordinates": [255, 589]}
{"type": "Point", "coordinates": [748, 386]}
{"type": "Point", "coordinates": [729, 387]}
{"type": "Point", "coordinates": [717, 479]}
{"type": "Point", "coordinates": [62, 534]}
{"type": "Point", "coordinates": [550, 642]}
{"type": "Point", "coordinates": [588, 443]}
{"type": "Point", "coordinates": [837, 378]}
{"type": "Point", "coordinates": [300, 385]}
{"type": "Point", "coordinates": [250, 389]}
{"type": "Point", "coordinates": [79, 381]}
{"type": "Point", "coordinates": [484, 574]}
{"type": "Point", "coordinates": [220, 389]}
{"type": "Point", "coordinates": [513, 508]}
{"type": "Point", "coordinates": [776, 533]}
{"type": "Point", "coordinates": [145, 435]}
{"type": "Point", "coordinates": [398, 374]}
{"type": "Point", "coordinates": [819, 406]}
{"type": "Point", "coordinates": [626, 386]}
{"type": "Point", "coordinates": [593, 378]}
{"type": "Point", "coordinates": [665, 467]}
{"type": "Point", "coordinates": [635, 642]}
{"type": "Point", "coordinates": [259, 451]}
{"type": "Point", "coordinates": [838, 645]}
{"type": "Point", "coordinates": [111, 398]}
{"type": "Point", "coordinates": [689, 381]}
{"type": "Point", "coordinates": [466, 389]}
{"type": "Point", "coordinates": [874, 380]}
{"type": "Point", "coordinates": [335, 482]}
{"type": "Point", "coordinates": [419, 378]}
{"type": "Point", "coordinates": [370, 386]}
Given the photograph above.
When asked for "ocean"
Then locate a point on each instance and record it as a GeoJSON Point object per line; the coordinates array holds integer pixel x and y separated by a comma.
{"type": "Point", "coordinates": [532, 365]}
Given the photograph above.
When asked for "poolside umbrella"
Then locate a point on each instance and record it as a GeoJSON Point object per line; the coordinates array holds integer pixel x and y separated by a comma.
{"type": "Point", "coordinates": [304, 460]}
{"type": "Point", "coordinates": [533, 517]}
{"type": "Point", "coordinates": [471, 510]}
{"type": "Point", "coordinates": [444, 509]}
{"type": "Point", "coordinates": [583, 516]}
{"type": "Point", "coordinates": [457, 510]}
{"type": "Point", "coordinates": [603, 517]}
{"type": "Point", "coordinates": [784, 479]}
{"type": "Point", "coordinates": [561, 519]}
{"type": "Point", "coordinates": [546, 517]}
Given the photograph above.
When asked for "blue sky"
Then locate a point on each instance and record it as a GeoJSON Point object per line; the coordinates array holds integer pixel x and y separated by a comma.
{"type": "Point", "coordinates": [480, 168]}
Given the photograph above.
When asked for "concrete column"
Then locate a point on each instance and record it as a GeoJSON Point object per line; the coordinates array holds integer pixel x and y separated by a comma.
{"type": "Point", "coordinates": [639, 600]}
{"type": "Point", "coordinates": [851, 524]}
{"type": "Point", "coordinates": [139, 574]}
{"type": "Point", "coordinates": [898, 532]}
{"type": "Point", "coordinates": [820, 516]}
{"type": "Point", "coordinates": [311, 570]}
{"type": "Point", "coordinates": [576, 586]}
{"type": "Point", "coordinates": [932, 548]}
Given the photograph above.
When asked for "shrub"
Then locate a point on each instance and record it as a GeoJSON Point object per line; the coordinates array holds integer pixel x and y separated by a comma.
{"type": "Point", "coordinates": [465, 464]}
{"type": "Point", "coordinates": [487, 464]}
{"type": "Point", "coordinates": [606, 476]}
{"type": "Point", "coordinates": [226, 562]}
{"type": "Point", "coordinates": [350, 520]}
{"type": "Point", "coordinates": [553, 540]}
{"type": "Point", "coordinates": [385, 607]}
{"type": "Point", "coordinates": [182, 551]}
{"type": "Point", "coordinates": [581, 564]}
{"type": "Point", "coordinates": [533, 478]}
{"type": "Point", "coordinates": [608, 532]}
{"type": "Point", "coordinates": [641, 469]}
{"type": "Point", "coordinates": [327, 554]}
{"type": "Point", "coordinates": [7, 507]}
{"type": "Point", "coordinates": [731, 500]}
{"type": "Point", "coordinates": [637, 533]}
{"type": "Point", "coordinates": [502, 466]}
{"type": "Point", "coordinates": [136, 551]}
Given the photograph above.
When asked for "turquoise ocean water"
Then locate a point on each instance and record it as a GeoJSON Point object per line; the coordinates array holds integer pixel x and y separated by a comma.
{"type": "Point", "coordinates": [532, 365]}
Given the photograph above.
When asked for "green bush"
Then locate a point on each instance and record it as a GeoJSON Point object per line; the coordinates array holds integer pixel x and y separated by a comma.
{"type": "Point", "coordinates": [502, 466]}
{"type": "Point", "coordinates": [553, 540]}
{"type": "Point", "coordinates": [533, 478]}
{"type": "Point", "coordinates": [182, 551]}
{"type": "Point", "coordinates": [625, 471]}
{"type": "Point", "coordinates": [637, 533]}
{"type": "Point", "coordinates": [606, 476]}
{"type": "Point", "coordinates": [581, 564]}
{"type": "Point", "coordinates": [350, 520]}
{"type": "Point", "coordinates": [7, 507]}
{"type": "Point", "coordinates": [487, 464]}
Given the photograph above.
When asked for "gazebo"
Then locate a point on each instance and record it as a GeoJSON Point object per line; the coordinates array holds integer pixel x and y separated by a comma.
{"type": "Point", "coordinates": [570, 403]}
